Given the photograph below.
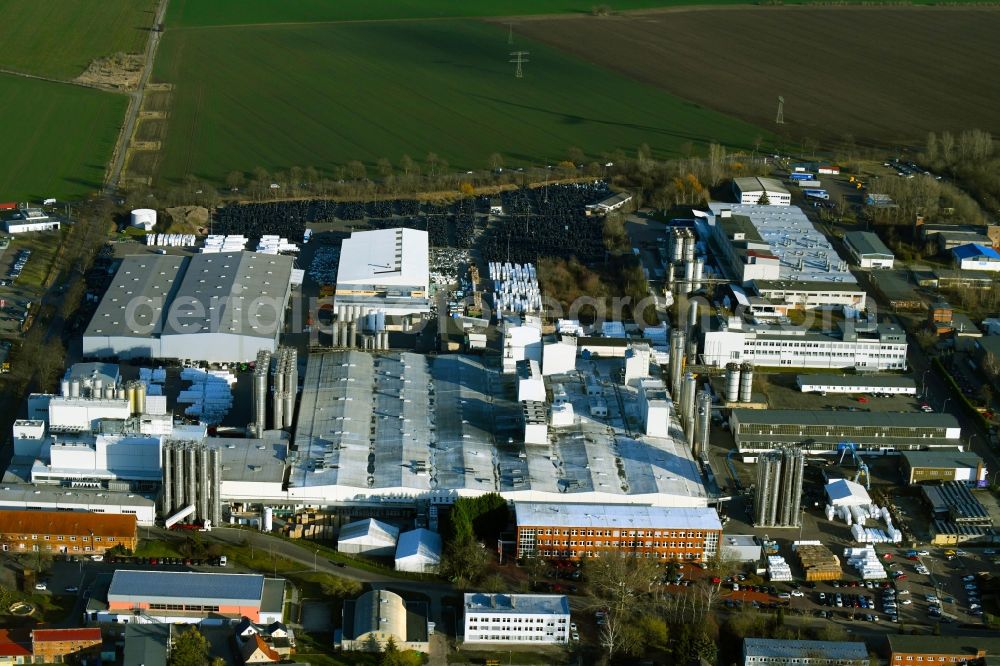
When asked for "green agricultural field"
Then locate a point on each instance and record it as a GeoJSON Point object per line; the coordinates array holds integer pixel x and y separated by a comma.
{"type": "Point", "coordinates": [56, 138]}
{"type": "Point", "coordinates": [59, 38]}
{"type": "Point", "coordinates": [323, 95]}
{"type": "Point", "coordinates": [245, 12]}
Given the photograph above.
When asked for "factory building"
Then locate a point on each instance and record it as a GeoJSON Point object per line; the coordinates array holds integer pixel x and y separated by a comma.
{"type": "Point", "coordinates": [574, 531]}
{"type": "Point", "coordinates": [28, 219]}
{"type": "Point", "coordinates": [188, 597]}
{"type": "Point", "coordinates": [754, 190]}
{"type": "Point", "coordinates": [785, 295]}
{"type": "Point", "coordinates": [972, 257]}
{"type": "Point", "coordinates": [385, 270]}
{"type": "Point", "coordinates": [819, 431]}
{"type": "Point", "coordinates": [868, 250]}
{"type": "Point", "coordinates": [403, 427]}
{"type": "Point", "coordinates": [418, 551]}
{"type": "Point", "coordinates": [877, 384]}
{"type": "Point", "coordinates": [941, 465]}
{"type": "Point", "coordinates": [219, 308]}
{"type": "Point", "coordinates": [531, 619]}
{"type": "Point", "coordinates": [192, 480]}
{"type": "Point", "coordinates": [23, 496]}
{"type": "Point", "coordinates": [858, 345]}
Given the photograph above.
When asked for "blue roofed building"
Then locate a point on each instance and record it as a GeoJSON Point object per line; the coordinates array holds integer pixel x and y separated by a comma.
{"type": "Point", "coordinates": [973, 257]}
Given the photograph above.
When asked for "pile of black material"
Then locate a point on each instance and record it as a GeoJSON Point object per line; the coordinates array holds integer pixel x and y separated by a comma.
{"type": "Point", "coordinates": [547, 221]}
{"type": "Point", "coordinates": [285, 218]}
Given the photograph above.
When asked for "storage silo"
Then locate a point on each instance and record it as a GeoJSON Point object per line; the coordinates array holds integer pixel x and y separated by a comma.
{"type": "Point", "coordinates": [268, 522]}
{"type": "Point", "coordinates": [140, 398]}
{"type": "Point", "coordinates": [204, 484]}
{"type": "Point", "coordinates": [746, 382]}
{"type": "Point", "coordinates": [64, 387]}
{"type": "Point", "coordinates": [732, 382]}
{"type": "Point", "coordinates": [191, 476]}
{"type": "Point", "coordinates": [216, 460]}
{"type": "Point", "coordinates": [168, 480]}
{"type": "Point", "coordinates": [179, 485]}
{"type": "Point", "coordinates": [704, 423]}
{"type": "Point", "coordinates": [74, 388]}
{"type": "Point", "coordinates": [143, 218]}
{"type": "Point", "coordinates": [676, 361]}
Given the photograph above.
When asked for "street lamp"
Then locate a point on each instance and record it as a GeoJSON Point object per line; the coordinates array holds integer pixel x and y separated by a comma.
{"type": "Point", "coordinates": [945, 403]}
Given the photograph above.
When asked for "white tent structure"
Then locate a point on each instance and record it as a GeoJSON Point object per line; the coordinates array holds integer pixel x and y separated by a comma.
{"type": "Point", "coordinates": [368, 537]}
{"type": "Point", "coordinates": [847, 493]}
{"type": "Point", "coordinates": [418, 550]}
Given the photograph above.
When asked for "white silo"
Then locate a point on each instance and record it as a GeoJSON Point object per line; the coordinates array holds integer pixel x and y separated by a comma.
{"type": "Point", "coordinates": [144, 218]}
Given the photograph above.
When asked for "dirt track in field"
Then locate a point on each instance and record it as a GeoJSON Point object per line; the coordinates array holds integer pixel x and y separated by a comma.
{"type": "Point", "coordinates": [882, 75]}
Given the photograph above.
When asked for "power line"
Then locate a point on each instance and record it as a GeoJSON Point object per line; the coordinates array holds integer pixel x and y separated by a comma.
{"type": "Point", "coordinates": [519, 58]}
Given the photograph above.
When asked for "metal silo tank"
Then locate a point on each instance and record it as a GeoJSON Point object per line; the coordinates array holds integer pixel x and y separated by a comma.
{"type": "Point", "coordinates": [746, 382]}
{"type": "Point", "coordinates": [204, 481]}
{"type": "Point", "coordinates": [732, 382]}
{"type": "Point", "coordinates": [216, 486]}
{"type": "Point", "coordinates": [704, 423]}
{"type": "Point", "coordinates": [168, 480]}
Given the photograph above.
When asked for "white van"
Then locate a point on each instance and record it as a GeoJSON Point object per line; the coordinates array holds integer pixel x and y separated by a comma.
{"type": "Point", "coordinates": [223, 561]}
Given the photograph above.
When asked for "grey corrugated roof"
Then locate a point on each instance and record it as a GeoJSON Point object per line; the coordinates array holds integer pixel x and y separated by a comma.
{"type": "Point", "coordinates": [942, 459]}
{"type": "Point", "coordinates": [153, 279]}
{"type": "Point", "coordinates": [146, 644]}
{"type": "Point", "coordinates": [828, 417]}
{"type": "Point", "coordinates": [371, 530]}
{"type": "Point", "coordinates": [484, 603]}
{"type": "Point", "coordinates": [420, 542]}
{"type": "Point", "coordinates": [866, 243]}
{"type": "Point", "coordinates": [193, 587]}
{"type": "Point", "coordinates": [880, 381]}
{"type": "Point", "coordinates": [790, 649]}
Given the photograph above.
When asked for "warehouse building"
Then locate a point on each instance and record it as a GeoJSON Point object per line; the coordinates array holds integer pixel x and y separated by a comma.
{"type": "Point", "coordinates": [868, 250]}
{"type": "Point", "coordinates": [368, 537]}
{"type": "Point", "coordinates": [973, 257]}
{"type": "Point", "coordinates": [403, 427]}
{"type": "Point", "coordinates": [608, 204]}
{"type": "Point", "coordinates": [30, 497]}
{"type": "Point", "coordinates": [754, 190]}
{"type": "Point", "coordinates": [819, 431]}
{"type": "Point", "coordinates": [531, 619]}
{"type": "Point", "coordinates": [369, 621]}
{"type": "Point", "coordinates": [911, 649]}
{"type": "Point", "coordinates": [418, 551]}
{"type": "Point", "coordinates": [805, 295]}
{"type": "Point", "coordinates": [943, 465]}
{"type": "Point", "coordinates": [781, 652]}
{"type": "Point", "coordinates": [219, 308]}
{"type": "Point", "coordinates": [861, 346]}
{"type": "Point", "coordinates": [773, 243]}
{"type": "Point", "coordinates": [386, 270]}
{"type": "Point", "coordinates": [73, 532]}
{"type": "Point", "coordinates": [574, 531]}
{"type": "Point", "coordinates": [870, 384]}
{"type": "Point", "coordinates": [188, 597]}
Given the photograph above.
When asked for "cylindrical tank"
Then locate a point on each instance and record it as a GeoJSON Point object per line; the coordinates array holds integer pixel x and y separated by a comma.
{"type": "Point", "coordinates": [688, 274]}
{"type": "Point", "coordinates": [109, 392]}
{"type": "Point", "coordinates": [692, 319]}
{"type": "Point", "coordinates": [65, 388]}
{"type": "Point", "coordinates": [96, 389]}
{"type": "Point", "coordinates": [191, 476]}
{"type": "Point", "coordinates": [121, 393]}
{"type": "Point", "coordinates": [268, 522]}
{"type": "Point", "coordinates": [74, 388]}
{"type": "Point", "coordinates": [144, 218]}
{"type": "Point", "coordinates": [385, 339]}
{"type": "Point", "coordinates": [689, 243]}
{"type": "Point", "coordinates": [692, 351]}
{"type": "Point", "coordinates": [216, 486]}
{"type": "Point", "coordinates": [732, 382]}
{"type": "Point", "coordinates": [676, 361]}
{"type": "Point", "coordinates": [699, 272]}
{"type": "Point", "coordinates": [352, 335]}
{"type": "Point", "coordinates": [670, 275]}
{"type": "Point", "coordinates": [277, 410]}
{"type": "Point", "coordinates": [140, 398]}
{"type": "Point", "coordinates": [204, 480]}
{"type": "Point", "coordinates": [688, 393]}
{"type": "Point", "coordinates": [677, 247]}
{"type": "Point", "coordinates": [704, 423]}
{"type": "Point", "coordinates": [335, 335]}
{"type": "Point", "coordinates": [168, 480]}
{"type": "Point", "coordinates": [746, 382]}
{"type": "Point", "coordinates": [179, 484]}
{"type": "Point", "coordinates": [288, 409]}
{"type": "Point", "coordinates": [131, 398]}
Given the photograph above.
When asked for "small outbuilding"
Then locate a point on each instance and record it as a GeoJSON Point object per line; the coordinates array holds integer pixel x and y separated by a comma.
{"type": "Point", "coordinates": [847, 493]}
{"type": "Point", "coordinates": [868, 250]}
{"type": "Point", "coordinates": [368, 537]}
{"type": "Point", "coordinates": [418, 551]}
{"type": "Point", "coordinates": [376, 616]}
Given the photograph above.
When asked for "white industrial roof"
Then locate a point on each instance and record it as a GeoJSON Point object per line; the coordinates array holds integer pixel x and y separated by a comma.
{"type": "Point", "coordinates": [419, 543]}
{"type": "Point", "coordinates": [369, 531]}
{"type": "Point", "coordinates": [792, 237]}
{"type": "Point", "coordinates": [542, 514]}
{"type": "Point", "coordinates": [384, 257]}
{"type": "Point", "coordinates": [847, 493]}
{"type": "Point", "coordinates": [520, 604]}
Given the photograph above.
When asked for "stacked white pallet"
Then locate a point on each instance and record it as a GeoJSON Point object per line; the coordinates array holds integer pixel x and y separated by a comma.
{"type": "Point", "coordinates": [217, 243]}
{"type": "Point", "coordinates": [778, 569]}
{"type": "Point", "coordinates": [515, 287]}
{"type": "Point", "coordinates": [569, 327]}
{"type": "Point", "coordinates": [829, 511]}
{"type": "Point", "coordinates": [170, 240]}
{"type": "Point", "coordinates": [272, 244]}
{"type": "Point", "coordinates": [866, 561]}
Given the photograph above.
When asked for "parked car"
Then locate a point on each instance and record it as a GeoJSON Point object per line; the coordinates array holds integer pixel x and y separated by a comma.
{"type": "Point", "coordinates": [41, 585]}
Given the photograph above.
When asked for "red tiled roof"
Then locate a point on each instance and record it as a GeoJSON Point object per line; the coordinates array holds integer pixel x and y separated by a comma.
{"type": "Point", "coordinates": [265, 648]}
{"type": "Point", "coordinates": [81, 634]}
{"type": "Point", "coordinates": [11, 647]}
{"type": "Point", "coordinates": [67, 523]}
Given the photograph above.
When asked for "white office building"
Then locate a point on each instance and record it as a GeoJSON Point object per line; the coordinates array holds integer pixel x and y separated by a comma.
{"type": "Point", "coordinates": [23, 496]}
{"type": "Point", "coordinates": [859, 346]}
{"type": "Point", "coordinates": [531, 619]}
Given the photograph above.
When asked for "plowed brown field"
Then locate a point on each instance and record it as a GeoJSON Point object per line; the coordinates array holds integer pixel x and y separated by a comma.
{"type": "Point", "coordinates": [883, 75]}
